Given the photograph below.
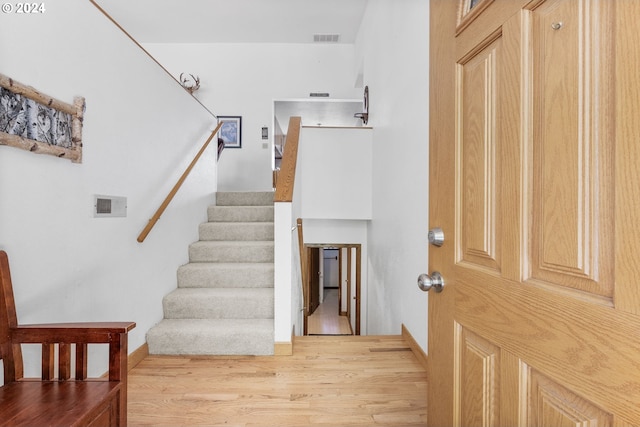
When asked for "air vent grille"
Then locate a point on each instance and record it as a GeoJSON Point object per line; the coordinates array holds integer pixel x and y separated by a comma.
{"type": "Point", "coordinates": [109, 206]}
{"type": "Point", "coordinates": [326, 38]}
{"type": "Point", "coordinates": [103, 206]}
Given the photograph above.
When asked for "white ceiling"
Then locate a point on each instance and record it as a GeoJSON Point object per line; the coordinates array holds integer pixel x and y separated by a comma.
{"type": "Point", "coordinates": [236, 21]}
{"type": "Point", "coordinates": [249, 21]}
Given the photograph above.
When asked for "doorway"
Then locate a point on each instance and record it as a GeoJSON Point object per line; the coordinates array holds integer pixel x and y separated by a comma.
{"type": "Point", "coordinates": [333, 287]}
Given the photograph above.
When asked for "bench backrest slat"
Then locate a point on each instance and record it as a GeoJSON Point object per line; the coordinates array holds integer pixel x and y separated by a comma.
{"type": "Point", "coordinates": [10, 354]}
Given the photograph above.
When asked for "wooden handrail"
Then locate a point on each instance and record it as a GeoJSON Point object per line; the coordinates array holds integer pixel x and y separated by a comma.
{"type": "Point", "coordinates": [286, 177]}
{"type": "Point", "coordinates": [174, 190]}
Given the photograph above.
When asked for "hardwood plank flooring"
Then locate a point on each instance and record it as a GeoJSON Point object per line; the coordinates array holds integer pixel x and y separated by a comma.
{"type": "Point", "coordinates": [326, 319]}
{"type": "Point", "coordinates": [328, 381]}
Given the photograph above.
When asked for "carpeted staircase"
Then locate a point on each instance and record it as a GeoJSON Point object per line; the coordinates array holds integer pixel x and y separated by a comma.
{"type": "Point", "coordinates": [224, 301]}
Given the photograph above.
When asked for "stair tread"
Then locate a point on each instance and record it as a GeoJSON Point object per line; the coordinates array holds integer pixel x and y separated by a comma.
{"type": "Point", "coordinates": [226, 275]}
{"type": "Point", "coordinates": [221, 292]}
{"type": "Point", "coordinates": [257, 214]}
{"type": "Point", "coordinates": [232, 251]}
{"type": "Point", "coordinates": [219, 303]}
{"type": "Point", "coordinates": [236, 231]}
{"type": "Point", "coordinates": [231, 265]}
{"type": "Point", "coordinates": [245, 198]}
{"type": "Point", "coordinates": [236, 223]}
{"type": "Point", "coordinates": [208, 323]}
{"type": "Point", "coordinates": [243, 207]}
{"type": "Point", "coordinates": [233, 243]}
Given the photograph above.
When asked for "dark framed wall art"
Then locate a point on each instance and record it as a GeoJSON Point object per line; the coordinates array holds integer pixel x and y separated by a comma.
{"type": "Point", "coordinates": [231, 131]}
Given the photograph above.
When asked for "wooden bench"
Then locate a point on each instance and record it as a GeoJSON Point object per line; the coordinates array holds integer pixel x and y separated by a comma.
{"type": "Point", "coordinates": [60, 397]}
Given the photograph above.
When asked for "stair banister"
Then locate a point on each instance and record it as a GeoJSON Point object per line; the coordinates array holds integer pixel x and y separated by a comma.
{"type": "Point", "coordinates": [176, 187]}
{"type": "Point", "coordinates": [287, 174]}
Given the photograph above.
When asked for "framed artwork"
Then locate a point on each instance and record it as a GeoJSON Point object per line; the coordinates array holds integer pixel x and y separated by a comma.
{"type": "Point", "coordinates": [231, 131]}
{"type": "Point", "coordinates": [35, 122]}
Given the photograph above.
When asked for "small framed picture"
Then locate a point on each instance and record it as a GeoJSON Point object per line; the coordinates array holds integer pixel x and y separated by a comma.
{"type": "Point", "coordinates": [231, 131]}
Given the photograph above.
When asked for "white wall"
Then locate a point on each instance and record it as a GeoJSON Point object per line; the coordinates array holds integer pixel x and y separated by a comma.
{"type": "Point", "coordinates": [244, 79]}
{"type": "Point", "coordinates": [287, 277]}
{"type": "Point", "coordinates": [141, 129]}
{"type": "Point", "coordinates": [394, 64]}
{"type": "Point", "coordinates": [334, 169]}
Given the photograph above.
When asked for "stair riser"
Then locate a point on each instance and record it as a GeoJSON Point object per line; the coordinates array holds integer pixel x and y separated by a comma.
{"type": "Point", "coordinates": [218, 308]}
{"type": "Point", "coordinates": [230, 254]}
{"type": "Point", "coordinates": [244, 198]}
{"type": "Point", "coordinates": [214, 276]}
{"type": "Point", "coordinates": [176, 337]}
{"type": "Point", "coordinates": [236, 231]}
{"type": "Point", "coordinates": [240, 214]}
{"type": "Point", "coordinates": [240, 344]}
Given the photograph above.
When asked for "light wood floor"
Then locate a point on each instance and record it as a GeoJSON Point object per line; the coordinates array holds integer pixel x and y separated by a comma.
{"type": "Point", "coordinates": [326, 319]}
{"type": "Point", "coordinates": [329, 381]}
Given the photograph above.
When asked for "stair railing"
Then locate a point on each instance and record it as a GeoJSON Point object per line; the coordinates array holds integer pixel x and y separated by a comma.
{"type": "Point", "coordinates": [287, 174]}
{"type": "Point", "coordinates": [176, 187]}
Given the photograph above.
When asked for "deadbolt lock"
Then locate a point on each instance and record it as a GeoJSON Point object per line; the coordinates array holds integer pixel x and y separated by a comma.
{"type": "Point", "coordinates": [436, 236]}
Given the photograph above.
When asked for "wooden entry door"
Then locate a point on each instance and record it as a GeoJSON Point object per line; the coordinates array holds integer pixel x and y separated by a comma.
{"type": "Point", "coordinates": [534, 181]}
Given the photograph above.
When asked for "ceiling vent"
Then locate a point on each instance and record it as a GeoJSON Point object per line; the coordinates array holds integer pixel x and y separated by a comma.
{"type": "Point", "coordinates": [326, 38]}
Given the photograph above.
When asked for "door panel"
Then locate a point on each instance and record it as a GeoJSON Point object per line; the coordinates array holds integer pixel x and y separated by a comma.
{"type": "Point", "coordinates": [571, 207]}
{"type": "Point", "coordinates": [477, 379]}
{"type": "Point", "coordinates": [550, 404]}
{"type": "Point", "coordinates": [538, 321]}
{"type": "Point", "coordinates": [479, 232]}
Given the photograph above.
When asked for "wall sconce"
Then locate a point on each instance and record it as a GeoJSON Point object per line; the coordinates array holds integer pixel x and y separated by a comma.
{"type": "Point", "coordinates": [365, 107]}
{"type": "Point", "coordinates": [190, 84]}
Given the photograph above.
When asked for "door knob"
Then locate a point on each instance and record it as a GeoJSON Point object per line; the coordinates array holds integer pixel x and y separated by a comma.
{"type": "Point", "coordinates": [435, 281]}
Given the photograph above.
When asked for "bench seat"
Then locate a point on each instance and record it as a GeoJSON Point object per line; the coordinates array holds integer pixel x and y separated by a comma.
{"type": "Point", "coordinates": [57, 403]}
